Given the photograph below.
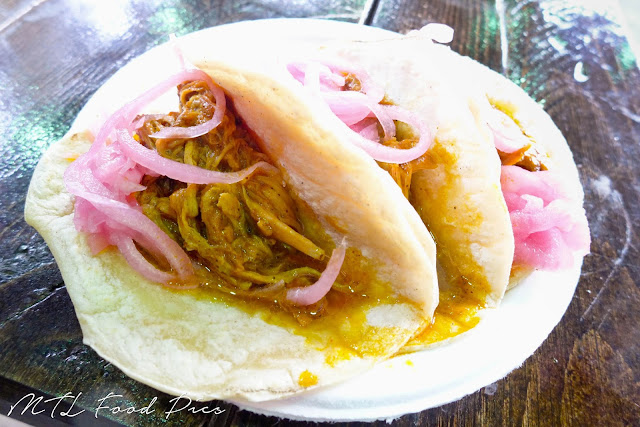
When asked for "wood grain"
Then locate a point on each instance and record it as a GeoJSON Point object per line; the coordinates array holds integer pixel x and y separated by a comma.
{"type": "Point", "coordinates": [587, 371]}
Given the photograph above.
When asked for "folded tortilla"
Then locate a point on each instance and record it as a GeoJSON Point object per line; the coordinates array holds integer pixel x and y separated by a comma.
{"type": "Point", "coordinates": [493, 90]}
{"type": "Point", "coordinates": [486, 90]}
{"type": "Point", "coordinates": [460, 199]}
{"type": "Point", "coordinates": [187, 342]}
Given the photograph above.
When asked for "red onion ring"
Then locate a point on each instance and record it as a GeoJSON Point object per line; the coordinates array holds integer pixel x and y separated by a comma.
{"type": "Point", "coordinates": [151, 160]}
{"type": "Point", "coordinates": [351, 108]}
{"type": "Point", "coordinates": [123, 117]}
{"type": "Point", "coordinates": [383, 153]}
{"type": "Point", "coordinates": [134, 220]}
{"type": "Point", "coordinates": [367, 85]}
{"type": "Point", "coordinates": [367, 128]}
{"type": "Point", "coordinates": [385, 119]}
{"type": "Point", "coordinates": [137, 261]}
{"type": "Point", "coordinates": [311, 294]}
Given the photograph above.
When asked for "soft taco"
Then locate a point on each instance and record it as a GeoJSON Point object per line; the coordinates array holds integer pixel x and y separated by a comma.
{"type": "Point", "coordinates": [233, 248]}
{"type": "Point", "coordinates": [539, 178]}
{"type": "Point", "coordinates": [532, 172]}
{"type": "Point", "coordinates": [498, 189]}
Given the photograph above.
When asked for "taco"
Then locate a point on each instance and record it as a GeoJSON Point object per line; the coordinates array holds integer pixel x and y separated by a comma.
{"type": "Point", "coordinates": [483, 189]}
{"type": "Point", "coordinates": [536, 178]}
{"type": "Point", "coordinates": [539, 178]}
{"type": "Point", "coordinates": [233, 248]}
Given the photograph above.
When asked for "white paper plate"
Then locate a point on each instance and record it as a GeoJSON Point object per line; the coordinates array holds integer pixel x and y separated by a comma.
{"type": "Point", "coordinates": [410, 383]}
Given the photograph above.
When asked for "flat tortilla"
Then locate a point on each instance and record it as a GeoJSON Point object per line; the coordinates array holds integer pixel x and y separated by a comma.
{"type": "Point", "coordinates": [204, 348]}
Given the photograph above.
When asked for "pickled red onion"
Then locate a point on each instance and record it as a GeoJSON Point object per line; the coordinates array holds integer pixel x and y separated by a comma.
{"type": "Point", "coordinates": [180, 171]}
{"type": "Point", "coordinates": [367, 85]}
{"type": "Point", "coordinates": [97, 243]}
{"type": "Point", "coordinates": [104, 178]}
{"type": "Point", "coordinates": [124, 117]}
{"type": "Point", "coordinates": [549, 225]}
{"type": "Point", "coordinates": [352, 108]}
{"type": "Point", "coordinates": [311, 294]}
{"type": "Point", "coordinates": [367, 128]}
{"type": "Point", "coordinates": [122, 217]}
{"type": "Point", "coordinates": [386, 121]}
{"type": "Point", "coordinates": [137, 261]}
{"type": "Point", "coordinates": [383, 153]}
{"type": "Point", "coordinates": [326, 79]}
{"type": "Point", "coordinates": [117, 172]}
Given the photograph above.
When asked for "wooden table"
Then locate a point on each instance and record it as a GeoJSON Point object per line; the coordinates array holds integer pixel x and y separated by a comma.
{"type": "Point", "coordinates": [54, 54]}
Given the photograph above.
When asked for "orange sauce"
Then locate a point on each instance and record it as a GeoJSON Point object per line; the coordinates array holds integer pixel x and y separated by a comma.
{"type": "Point", "coordinates": [307, 379]}
{"type": "Point", "coordinates": [342, 330]}
{"type": "Point", "coordinates": [452, 317]}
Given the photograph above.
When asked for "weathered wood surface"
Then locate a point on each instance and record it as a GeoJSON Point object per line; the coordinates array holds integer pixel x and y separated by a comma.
{"type": "Point", "coordinates": [55, 53]}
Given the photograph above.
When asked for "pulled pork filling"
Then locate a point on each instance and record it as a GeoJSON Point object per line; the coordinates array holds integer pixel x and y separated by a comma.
{"type": "Point", "coordinates": [250, 238]}
{"type": "Point", "coordinates": [527, 156]}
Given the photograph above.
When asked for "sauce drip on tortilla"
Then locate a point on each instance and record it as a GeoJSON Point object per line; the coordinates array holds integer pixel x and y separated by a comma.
{"type": "Point", "coordinates": [454, 315]}
{"type": "Point", "coordinates": [307, 379]}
